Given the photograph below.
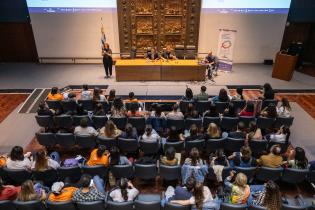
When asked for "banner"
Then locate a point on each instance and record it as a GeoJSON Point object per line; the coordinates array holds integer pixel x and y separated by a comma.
{"type": "Point", "coordinates": [225, 49]}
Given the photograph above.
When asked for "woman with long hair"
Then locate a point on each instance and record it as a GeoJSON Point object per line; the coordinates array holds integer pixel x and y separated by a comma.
{"type": "Point", "coordinates": [116, 158]}
{"type": "Point", "coordinates": [189, 96]}
{"type": "Point", "coordinates": [213, 132]}
{"type": "Point", "coordinates": [270, 111]}
{"type": "Point", "coordinates": [110, 130]}
{"type": "Point", "coordinates": [43, 162]}
{"type": "Point", "coordinates": [174, 135]}
{"type": "Point", "coordinates": [107, 59]}
{"type": "Point", "coordinates": [130, 132]}
{"type": "Point", "coordinates": [125, 191]}
{"type": "Point", "coordinates": [268, 92]}
{"type": "Point", "coordinates": [222, 97]}
{"type": "Point", "coordinates": [284, 110]}
{"type": "Point", "coordinates": [18, 160]}
{"type": "Point", "coordinates": [300, 161]}
{"type": "Point", "coordinates": [239, 189]}
{"type": "Point", "coordinates": [111, 95]}
{"type": "Point", "coordinates": [99, 156]}
{"type": "Point", "coordinates": [28, 192]}
{"type": "Point", "coordinates": [118, 109]}
{"type": "Point", "coordinates": [254, 131]}
{"type": "Point", "coordinates": [212, 112]}
{"type": "Point", "coordinates": [194, 158]}
{"type": "Point", "coordinates": [98, 95]}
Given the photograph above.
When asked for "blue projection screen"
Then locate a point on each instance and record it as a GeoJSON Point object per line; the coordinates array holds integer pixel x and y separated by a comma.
{"type": "Point", "coordinates": [69, 6]}
{"type": "Point", "coordinates": [247, 6]}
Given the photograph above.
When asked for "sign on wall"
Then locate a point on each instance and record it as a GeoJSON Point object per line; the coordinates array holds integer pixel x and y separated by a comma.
{"type": "Point", "coordinates": [226, 48]}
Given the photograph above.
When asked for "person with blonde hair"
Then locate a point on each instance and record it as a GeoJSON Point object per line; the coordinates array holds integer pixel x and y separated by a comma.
{"type": "Point", "coordinates": [110, 130]}
{"type": "Point", "coordinates": [213, 132]}
{"type": "Point", "coordinates": [43, 162]}
{"type": "Point", "coordinates": [239, 190]}
{"type": "Point", "coordinates": [28, 193]}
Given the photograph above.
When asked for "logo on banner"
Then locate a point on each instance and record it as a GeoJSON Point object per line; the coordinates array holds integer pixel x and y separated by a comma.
{"type": "Point", "coordinates": [225, 49]}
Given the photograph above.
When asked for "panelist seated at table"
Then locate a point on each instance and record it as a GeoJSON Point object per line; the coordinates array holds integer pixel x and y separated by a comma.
{"type": "Point", "coordinates": [152, 54]}
{"type": "Point", "coordinates": [167, 54]}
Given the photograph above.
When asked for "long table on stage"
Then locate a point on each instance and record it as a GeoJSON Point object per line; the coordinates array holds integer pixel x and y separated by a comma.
{"type": "Point", "coordinates": [172, 70]}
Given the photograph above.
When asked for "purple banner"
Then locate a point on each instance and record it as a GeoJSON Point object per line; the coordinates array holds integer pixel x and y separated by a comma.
{"type": "Point", "coordinates": [225, 66]}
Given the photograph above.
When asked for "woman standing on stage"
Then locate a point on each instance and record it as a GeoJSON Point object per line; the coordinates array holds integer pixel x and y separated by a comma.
{"type": "Point", "coordinates": [107, 59]}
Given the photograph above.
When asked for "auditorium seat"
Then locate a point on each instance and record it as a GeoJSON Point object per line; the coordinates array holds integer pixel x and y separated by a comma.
{"type": "Point", "coordinates": [202, 106]}
{"type": "Point", "coordinates": [190, 121]}
{"type": "Point", "coordinates": [73, 173]}
{"type": "Point", "coordinates": [65, 140]}
{"type": "Point", "coordinates": [66, 205]}
{"type": "Point", "coordinates": [54, 104]}
{"type": "Point", "coordinates": [283, 145]}
{"type": "Point", "coordinates": [138, 123]}
{"type": "Point", "coordinates": [178, 146]}
{"type": "Point", "coordinates": [286, 121]}
{"type": "Point", "coordinates": [106, 105]}
{"type": "Point", "coordinates": [173, 206]}
{"type": "Point", "coordinates": [111, 205]}
{"type": "Point", "coordinates": [228, 206]}
{"type": "Point", "coordinates": [265, 103]}
{"type": "Point", "coordinates": [229, 123]}
{"type": "Point", "coordinates": [178, 124]}
{"type": "Point", "coordinates": [246, 120]}
{"type": "Point", "coordinates": [29, 205]}
{"type": "Point", "coordinates": [128, 145]}
{"type": "Point", "coordinates": [87, 104]}
{"type": "Point", "coordinates": [238, 105]}
{"type": "Point", "coordinates": [199, 144]}
{"type": "Point", "coordinates": [108, 142]}
{"type": "Point", "coordinates": [78, 118]}
{"type": "Point", "coordinates": [17, 176]}
{"type": "Point", "coordinates": [122, 171]}
{"type": "Point", "coordinates": [99, 170]}
{"type": "Point", "coordinates": [69, 106]}
{"type": "Point", "coordinates": [47, 177]}
{"type": "Point", "coordinates": [208, 120]}
{"type": "Point", "coordinates": [85, 141]}
{"type": "Point", "coordinates": [248, 171]}
{"type": "Point", "coordinates": [148, 201]}
{"type": "Point", "coordinates": [46, 139]}
{"type": "Point", "coordinates": [258, 146]}
{"type": "Point", "coordinates": [233, 144]}
{"type": "Point", "coordinates": [265, 123]}
{"type": "Point", "coordinates": [292, 207]}
{"type": "Point", "coordinates": [149, 148]}
{"type": "Point", "coordinates": [221, 106]}
{"type": "Point", "coordinates": [294, 176]}
{"type": "Point", "coordinates": [63, 121]}
{"type": "Point", "coordinates": [170, 173]}
{"type": "Point", "coordinates": [254, 207]}
{"type": "Point", "coordinates": [7, 205]}
{"type": "Point", "coordinates": [94, 205]}
{"type": "Point", "coordinates": [45, 121]}
{"type": "Point", "coordinates": [145, 171]}
{"type": "Point", "coordinates": [183, 105]}
{"type": "Point", "coordinates": [264, 174]}
{"type": "Point", "coordinates": [214, 144]}
{"type": "Point", "coordinates": [99, 121]}
{"type": "Point", "coordinates": [120, 122]}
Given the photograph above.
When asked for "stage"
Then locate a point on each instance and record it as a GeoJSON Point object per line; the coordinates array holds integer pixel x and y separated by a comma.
{"type": "Point", "coordinates": [30, 76]}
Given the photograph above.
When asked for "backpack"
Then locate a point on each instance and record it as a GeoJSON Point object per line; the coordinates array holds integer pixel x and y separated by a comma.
{"type": "Point", "coordinates": [70, 162]}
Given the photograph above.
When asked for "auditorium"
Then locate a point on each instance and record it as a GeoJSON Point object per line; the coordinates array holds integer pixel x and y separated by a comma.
{"type": "Point", "coordinates": [157, 105]}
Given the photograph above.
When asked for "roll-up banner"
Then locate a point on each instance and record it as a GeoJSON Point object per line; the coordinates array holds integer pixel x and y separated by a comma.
{"type": "Point", "coordinates": [225, 49]}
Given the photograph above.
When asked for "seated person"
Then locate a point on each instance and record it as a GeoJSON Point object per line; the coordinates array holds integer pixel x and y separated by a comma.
{"type": "Point", "coordinates": [193, 134]}
{"type": "Point", "coordinates": [125, 191]}
{"type": "Point", "coordinates": [175, 114]}
{"type": "Point", "coordinates": [134, 111]}
{"type": "Point", "coordinates": [86, 94]}
{"type": "Point", "coordinates": [194, 158]}
{"type": "Point", "coordinates": [131, 98]}
{"type": "Point", "coordinates": [203, 95]}
{"type": "Point", "coordinates": [157, 111]}
{"type": "Point", "coordinates": [55, 94]}
{"type": "Point", "coordinates": [191, 112]}
{"type": "Point", "coordinates": [99, 156]}
{"type": "Point", "coordinates": [170, 158]}
{"type": "Point", "coordinates": [243, 158]}
{"type": "Point", "coordinates": [184, 192]}
{"type": "Point", "coordinates": [98, 95]}
{"type": "Point", "coordinates": [189, 96]}
{"type": "Point", "coordinates": [80, 110]}
{"type": "Point", "coordinates": [8, 192]}
{"type": "Point", "coordinates": [152, 54]}
{"type": "Point", "coordinates": [212, 112]}
{"type": "Point", "coordinates": [43, 162]}
{"type": "Point", "coordinates": [116, 158]}
{"type": "Point", "coordinates": [270, 111]}
{"type": "Point", "coordinates": [239, 94]}
{"type": "Point", "coordinates": [167, 54]}
{"type": "Point", "coordinates": [112, 95]}
{"type": "Point", "coordinates": [239, 190]}
{"type": "Point", "coordinates": [110, 130]}
{"type": "Point", "coordinates": [150, 135]}
{"type": "Point", "coordinates": [130, 132]}
{"type": "Point", "coordinates": [18, 160]}
{"type": "Point", "coordinates": [99, 110]}
{"type": "Point", "coordinates": [213, 132]}
{"type": "Point", "coordinates": [43, 110]}
{"type": "Point", "coordinates": [284, 110]}
{"type": "Point", "coordinates": [268, 92]}
{"type": "Point", "coordinates": [118, 109]}
{"type": "Point", "coordinates": [240, 132]}
{"type": "Point", "coordinates": [212, 62]}
{"type": "Point", "coordinates": [222, 97]}
{"type": "Point", "coordinates": [84, 129]}
{"type": "Point", "coordinates": [282, 135]}
{"type": "Point", "coordinates": [28, 192]}
{"type": "Point", "coordinates": [273, 159]}
{"type": "Point", "coordinates": [254, 131]}
{"type": "Point", "coordinates": [219, 158]}
{"type": "Point", "coordinates": [300, 161]}
{"type": "Point", "coordinates": [249, 110]}
{"type": "Point", "coordinates": [90, 190]}
{"type": "Point", "coordinates": [61, 193]}
{"type": "Point", "coordinates": [230, 111]}
{"type": "Point", "coordinates": [174, 135]}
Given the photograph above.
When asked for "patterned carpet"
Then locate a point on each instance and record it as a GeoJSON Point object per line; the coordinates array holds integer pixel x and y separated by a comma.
{"type": "Point", "coordinates": [8, 102]}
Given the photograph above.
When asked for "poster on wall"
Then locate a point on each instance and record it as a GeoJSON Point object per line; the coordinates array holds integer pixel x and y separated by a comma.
{"type": "Point", "coordinates": [225, 49]}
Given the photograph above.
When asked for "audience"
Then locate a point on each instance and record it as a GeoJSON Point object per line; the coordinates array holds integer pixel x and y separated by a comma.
{"type": "Point", "coordinates": [28, 192]}
{"type": "Point", "coordinates": [112, 95]}
{"type": "Point", "coordinates": [202, 96]}
{"type": "Point", "coordinates": [284, 110]}
{"type": "Point", "coordinates": [193, 134]}
{"type": "Point", "coordinates": [300, 161]}
{"type": "Point", "coordinates": [219, 158]}
{"type": "Point", "coordinates": [273, 159]}
{"type": "Point", "coordinates": [281, 136]}
{"type": "Point", "coordinates": [110, 130]}
{"type": "Point", "coordinates": [86, 93]}
{"type": "Point", "coordinates": [99, 156]}
{"type": "Point", "coordinates": [184, 192]}
{"type": "Point", "coordinates": [61, 193]}
{"type": "Point", "coordinates": [191, 112]}
{"type": "Point", "coordinates": [125, 191]}
{"type": "Point", "coordinates": [98, 95]}
{"type": "Point", "coordinates": [254, 131]}
{"type": "Point", "coordinates": [132, 98]}
{"type": "Point", "coordinates": [243, 158]}
{"type": "Point", "coordinates": [174, 135]}
{"type": "Point", "coordinates": [239, 94]}
{"type": "Point", "coordinates": [43, 110]}
{"type": "Point", "coordinates": [116, 158]}
{"type": "Point", "coordinates": [134, 112]}
{"type": "Point", "coordinates": [268, 92]}
{"type": "Point", "coordinates": [213, 132]}
{"type": "Point", "coordinates": [18, 160]}
{"type": "Point", "coordinates": [130, 132]}
{"type": "Point", "coordinates": [8, 192]}
{"type": "Point", "coordinates": [240, 132]}
{"type": "Point", "coordinates": [249, 110]}
{"type": "Point", "coordinates": [270, 111]}
{"type": "Point", "coordinates": [118, 109]}
{"type": "Point", "coordinates": [194, 158]}
{"type": "Point", "coordinates": [175, 114]}
{"type": "Point", "coordinates": [55, 94]}
{"type": "Point", "coordinates": [230, 111]}
{"type": "Point", "coordinates": [212, 112]}
{"type": "Point", "coordinates": [150, 135]}
{"type": "Point", "coordinates": [170, 158]}
{"type": "Point", "coordinates": [84, 128]}
{"type": "Point", "coordinates": [157, 111]}
{"type": "Point", "coordinates": [43, 162]}
{"type": "Point", "coordinates": [239, 190]}
{"type": "Point", "coordinates": [189, 96]}
{"type": "Point", "coordinates": [222, 97]}
{"type": "Point", "coordinates": [99, 110]}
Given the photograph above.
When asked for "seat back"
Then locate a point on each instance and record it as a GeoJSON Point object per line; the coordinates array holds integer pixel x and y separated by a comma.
{"type": "Point", "coordinates": [248, 171]}
{"type": "Point", "coordinates": [85, 141]}
{"type": "Point", "coordinates": [76, 119]}
{"type": "Point", "coordinates": [29, 205]}
{"type": "Point", "coordinates": [128, 105]}
{"type": "Point", "coordinates": [122, 171]}
{"type": "Point", "coordinates": [148, 201]}
{"type": "Point", "coordinates": [105, 104]}
{"type": "Point", "coordinates": [221, 106]}
{"type": "Point", "coordinates": [265, 174]}
{"type": "Point", "coordinates": [120, 122]}
{"type": "Point", "coordinates": [111, 205]}
{"type": "Point", "coordinates": [63, 121]}
{"type": "Point", "coordinates": [173, 206]}
{"type": "Point", "coordinates": [17, 176]}
{"type": "Point", "coordinates": [95, 205]}
{"type": "Point", "coordinates": [183, 105]}
{"type": "Point", "coordinates": [233, 145]}
{"type": "Point", "coordinates": [54, 104]}
{"type": "Point", "coordinates": [294, 176]}
{"type": "Point", "coordinates": [238, 105]}
{"type": "Point", "coordinates": [189, 122]}
{"type": "Point", "coordinates": [145, 171]}
{"type": "Point", "coordinates": [258, 146]}
{"type": "Point", "coordinates": [45, 121]}
{"type": "Point", "coordinates": [69, 105]}
{"type": "Point", "coordinates": [229, 123]}
{"type": "Point", "coordinates": [149, 148]}
{"type": "Point", "coordinates": [214, 144]}
{"type": "Point", "coordinates": [48, 177]}
{"type": "Point", "coordinates": [265, 123]}
{"type": "Point", "coordinates": [253, 207]}
{"type": "Point", "coordinates": [178, 124]}
{"type": "Point", "coordinates": [108, 142]}
{"type": "Point", "coordinates": [99, 170]}
{"type": "Point", "coordinates": [99, 121]}
{"type": "Point", "coordinates": [283, 145]}
{"type": "Point", "coordinates": [128, 145]}
{"type": "Point", "coordinates": [265, 103]}
{"type": "Point", "coordinates": [291, 207]}
{"type": "Point", "coordinates": [190, 52]}
{"type": "Point", "coordinates": [178, 146]}
{"type": "Point", "coordinates": [199, 144]}
{"type": "Point", "coordinates": [46, 139]}
{"type": "Point", "coordinates": [202, 106]}
{"type": "Point", "coordinates": [73, 173]}
{"type": "Point", "coordinates": [7, 205]}
{"type": "Point", "coordinates": [138, 123]}
{"type": "Point", "coordinates": [246, 120]}
{"type": "Point", "coordinates": [286, 121]}
{"type": "Point", "coordinates": [228, 206]}
{"type": "Point", "coordinates": [65, 140]}
{"type": "Point", "coordinates": [68, 205]}
{"type": "Point", "coordinates": [208, 120]}
{"type": "Point", "coordinates": [87, 104]}
{"type": "Point", "coordinates": [170, 173]}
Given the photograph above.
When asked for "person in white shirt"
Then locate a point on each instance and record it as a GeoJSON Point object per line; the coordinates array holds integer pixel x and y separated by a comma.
{"type": "Point", "coordinates": [175, 114]}
{"type": "Point", "coordinates": [18, 160]}
{"type": "Point", "coordinates": [86, 93]}
{"type": "Point", "coordinates": [282, 135]}
{"type": "Point", "coordinates": [84, 129]}
{"type": "Point", "coordinates": [285, 109]}
{"type": "Point", "coordinates": [125, 191]}
{"type": "Point", "coordinates": [42, 162]}
{"type": "Point", "coordinates": [150, 135]}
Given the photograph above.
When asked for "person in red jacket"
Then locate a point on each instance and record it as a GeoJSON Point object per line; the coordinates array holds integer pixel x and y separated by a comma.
{"type": "Point", "coordinates": [8, 192]}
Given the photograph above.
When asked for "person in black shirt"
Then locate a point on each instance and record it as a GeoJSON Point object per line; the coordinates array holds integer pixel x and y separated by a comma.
{"type": "Point", "coordinates": [168, 53]}
{"type": "Point", "coordinates": [212, 62]}
{"type": "Point", "coordinates": [44, 110]}
{"type": "Point", "coordinates": [268, 92]}
{"type": "Point", "coordinates": [107, 59]}
{"type": "Point", "coordinates": [240, 132]}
